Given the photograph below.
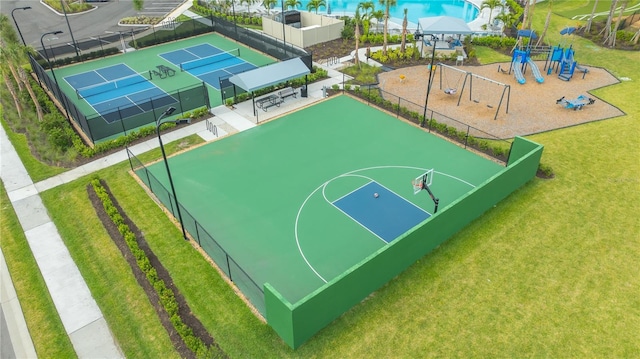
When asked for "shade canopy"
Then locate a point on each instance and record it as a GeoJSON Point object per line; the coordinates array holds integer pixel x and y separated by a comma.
{"type": "Point", "coordinates": [527, 33]}
{"type": "Point", "coordinates": [270, 75]}
{"type": "Point", "coordinates": [443, 25]}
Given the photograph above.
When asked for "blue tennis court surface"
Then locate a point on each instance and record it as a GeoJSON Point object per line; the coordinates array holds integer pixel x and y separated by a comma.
{"type": "Point", "coordinates": [387, 216]}
{"type": "Point", "coordinates": [117, 92]}
{"type": "Point", "coordinates": [208, 63]}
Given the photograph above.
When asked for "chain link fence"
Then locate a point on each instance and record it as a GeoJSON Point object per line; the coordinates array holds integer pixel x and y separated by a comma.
{"type": "Point", "coordinates": [229, 266]}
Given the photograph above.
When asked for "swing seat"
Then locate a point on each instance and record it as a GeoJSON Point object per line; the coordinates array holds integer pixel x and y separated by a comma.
{"type": "Point", "coordinates": [450, 91]}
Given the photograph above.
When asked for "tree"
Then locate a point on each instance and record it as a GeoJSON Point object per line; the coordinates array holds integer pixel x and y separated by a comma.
{"type": "Point", "coordinates": [268, 4]}
{"type": "Point", "coordinates": [4, 68]}
{"type": "Point", "coordinates": [12, 55]}
{"type": "Point", "coordinates": [387, 4]}
{"type": "Point", "coordinates": [532, 8]}
{"type": "Point", "coordinates": [508, 19]}
{"type": "Point", "coordinates": [249, 3]}
{"type": "Point", "coordinates": [607, 27]}
{"type": "Point", "coordinates": [614, 32]}
{"type": "Point", "coordinates": [292, 4]}
{"type": "Point", "coordinates": [356, 19]}
{"type": "Point", "coordinates": [367, 8]}
{"type": "Point", "coordinates": [379, 16]}
{"type": "Point", "coordinates": [491, 5]}
{"type": "Point", "coordinates": [546, 25]}
{"type": "Point", "coordinates": [525, 14]}
{"type": "Point", "coordinates": [405, 22]}
{"type": "Point", "coordinates": [316, 5]}
{"type": "Point", "coordinates": [587, 27]}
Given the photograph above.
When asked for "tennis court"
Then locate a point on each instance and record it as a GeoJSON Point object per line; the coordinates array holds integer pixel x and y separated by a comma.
{"type": "Point", "coordinates": [208, 63]}
{"type": "Point", "coordinates": [117, 91]}
{"type": "Point", "coordinates": [292, 201]}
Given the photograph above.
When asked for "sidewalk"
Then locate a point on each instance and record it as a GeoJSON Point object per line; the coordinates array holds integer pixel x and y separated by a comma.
{"type": "Point", "coordinates": [80, 315]}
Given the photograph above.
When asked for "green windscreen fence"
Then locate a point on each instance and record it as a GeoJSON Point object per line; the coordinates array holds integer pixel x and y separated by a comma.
{"type": "Point", "coordinates": [297, 322]}
{"type": "Point", "coordinates": [226, 263]}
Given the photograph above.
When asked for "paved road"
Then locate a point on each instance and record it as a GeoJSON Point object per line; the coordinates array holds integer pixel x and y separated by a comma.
{"type": "Point", "coordinates": [40, 19]}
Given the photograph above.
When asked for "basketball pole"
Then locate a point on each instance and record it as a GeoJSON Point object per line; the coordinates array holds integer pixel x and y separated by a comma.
{"type": "Point", "coordinates": [435, 200]}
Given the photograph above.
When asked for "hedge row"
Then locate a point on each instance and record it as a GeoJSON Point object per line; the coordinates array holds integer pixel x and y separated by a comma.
{"type": "Point", "coordinates": [240, 18]}
{"type": "Point", "coordinates": [165, 294]}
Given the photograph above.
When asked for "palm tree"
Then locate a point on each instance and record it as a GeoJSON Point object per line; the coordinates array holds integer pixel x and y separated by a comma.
{"type": "Point", "coordinates": [546, 25]}
{"type": "Point", "coordinates": [356, 19]}
{"type": "Point", "coordinates": [268, 4]}
{"type": "Point", "coordinates": [404, 32]}
{"type": "Point", "coordinates": [525, 14]}
{"type": "Point", "coordinates": [249, 3]}
{"type": "Point", "coordinates": [378, 15]}
{"type": "Point", "coordinates": [607, 27]}
{"type": "Point", "coordinates": [508, 19]}
{"type": "Point", "coordinates": [491, 5]}
{"type": "Point", "coordinates": [315, 5]}
{"type": "Point", "coordinates": [367, 8]}
{"type": "Point", "coordinates": [587, 27]}
{"type": "Point", "coordinates": [4, 68]}
{"type": "Point", "coordinates": [364, 15]}
{"type": "Point", "coordinates": [387, 4]}
{"type": "Point", "coordinates": [614, 32]}
{"type": "Point", "coordinates": [292, 4]}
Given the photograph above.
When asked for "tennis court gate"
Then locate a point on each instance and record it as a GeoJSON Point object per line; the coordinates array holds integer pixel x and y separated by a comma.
{"type": "Point", "coordinates": [94, 128]}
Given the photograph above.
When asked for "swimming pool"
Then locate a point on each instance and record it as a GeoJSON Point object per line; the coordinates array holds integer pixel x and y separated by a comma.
{"type": "Point", "coordinates": [415, 8]}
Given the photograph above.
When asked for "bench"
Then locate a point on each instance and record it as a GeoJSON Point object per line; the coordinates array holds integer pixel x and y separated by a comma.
{"type": "Point", "coordinates": [268, 101]}
{"type": "Point", "coordinates": [286, 92]}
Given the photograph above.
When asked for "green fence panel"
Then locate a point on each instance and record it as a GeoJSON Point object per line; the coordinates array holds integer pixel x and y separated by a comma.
{"type": "Point", "coordinates": [298, 322]}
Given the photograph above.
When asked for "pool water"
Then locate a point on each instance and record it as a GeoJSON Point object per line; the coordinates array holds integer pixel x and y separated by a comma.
{"type": "Point", "coordinates": [416, 9]}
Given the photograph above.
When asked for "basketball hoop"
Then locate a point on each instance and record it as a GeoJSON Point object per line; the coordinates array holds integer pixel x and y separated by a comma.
{"type": "Point", "coordinates": [417, 185]}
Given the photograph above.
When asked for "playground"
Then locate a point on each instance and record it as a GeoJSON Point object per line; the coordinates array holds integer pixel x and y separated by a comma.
{"type": "Point", "coordinates": [532, 106]}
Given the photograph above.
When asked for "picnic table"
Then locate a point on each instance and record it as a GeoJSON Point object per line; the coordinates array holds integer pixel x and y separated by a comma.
{"type": "Point", "coordinates": [268, 101]}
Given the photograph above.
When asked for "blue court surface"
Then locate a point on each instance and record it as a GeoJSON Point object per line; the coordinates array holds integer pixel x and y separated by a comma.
{"type": "Point", "coordinates": [117, 92]}
{"type": "Point", "coordinates": [386, 216]}
{"type": "Point", "coordinates": [208, 63]}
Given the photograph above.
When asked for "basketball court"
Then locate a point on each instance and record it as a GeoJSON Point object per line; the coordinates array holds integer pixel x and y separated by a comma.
{"type": "Point", "coordinates": [298, 201]}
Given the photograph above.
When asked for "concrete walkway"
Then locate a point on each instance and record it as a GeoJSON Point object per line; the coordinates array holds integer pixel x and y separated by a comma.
{"type": "Point", "coordinates": [80, 315]}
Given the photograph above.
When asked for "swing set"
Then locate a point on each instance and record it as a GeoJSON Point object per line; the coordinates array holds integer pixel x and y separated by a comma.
{"type": "Point", "coordinates": [465, 78]}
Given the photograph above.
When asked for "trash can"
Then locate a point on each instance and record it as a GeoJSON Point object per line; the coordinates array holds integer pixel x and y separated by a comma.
{"type": "Point", "coordinates": [303, 91]}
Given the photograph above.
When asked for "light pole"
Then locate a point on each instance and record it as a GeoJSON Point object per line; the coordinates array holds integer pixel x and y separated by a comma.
{"type": "Point", "coordinates": [168, 112]}
{"type": "Point", "coordinates": [433, 57]}
{"type": "Point", "coordinates": [15, 22]}
{"type": "Point", "coordinates": [61, 97]}
{"type": "Point", "coordinates": [75, 45]}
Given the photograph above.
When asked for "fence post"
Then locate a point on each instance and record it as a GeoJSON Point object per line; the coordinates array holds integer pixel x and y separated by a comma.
{"type": "Point", "coordinates": [398, 111]}
{"type": "Point", "coordinates": [228, 265]}
{"type": "Point", "coordinates": [466, 138]}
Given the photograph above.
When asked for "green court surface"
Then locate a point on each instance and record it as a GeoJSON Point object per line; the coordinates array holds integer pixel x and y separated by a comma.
{"type": "Point", "coordinates": [148, 58]}
{"type": "Point", "coordinates": [266, 195]}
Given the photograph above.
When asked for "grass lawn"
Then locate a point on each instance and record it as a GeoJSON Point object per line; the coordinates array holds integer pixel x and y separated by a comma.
{"type": "Point", "coordinates": [569, 9]}
{"type": "Point", "coordinates": [47, 332]}
{"type": "Point", "coordinates": [551, 271]}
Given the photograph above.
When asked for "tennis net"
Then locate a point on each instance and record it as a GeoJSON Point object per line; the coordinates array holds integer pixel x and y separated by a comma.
{"type": "Point", "coordinates": [92, 90]}
{"type": "Point", "coordinates": [188, 65]}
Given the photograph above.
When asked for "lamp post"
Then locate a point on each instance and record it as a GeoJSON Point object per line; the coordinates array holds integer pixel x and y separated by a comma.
{"type": "Point", "coordinates": [284, 40]}
{"type": "Point", "coordinates": [15, 22]}
{"type": "Point", "coordinates": [61, 98]}
{"type": "Point", "coordinates": [75, 45]}
{"type": "Point", "coordinates": [168, 112]}
{"type": "Point", "coordinates": [426, 101]}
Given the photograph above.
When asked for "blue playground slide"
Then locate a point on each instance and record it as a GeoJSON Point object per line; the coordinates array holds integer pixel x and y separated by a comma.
{"type": "Point", "coordinates": [535, 71]}
{"type": "Point", "coordinates": [517, 71]}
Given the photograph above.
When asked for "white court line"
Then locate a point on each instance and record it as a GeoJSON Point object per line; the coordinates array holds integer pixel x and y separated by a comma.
{"type": "Point", "coordinates": [323, 185]}
{"type": "Point", "coordinates": [345, 213]}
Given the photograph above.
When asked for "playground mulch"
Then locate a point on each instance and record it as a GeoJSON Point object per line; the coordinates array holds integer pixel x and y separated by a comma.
{"type": "Point", "coordinates": [532, 106]}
